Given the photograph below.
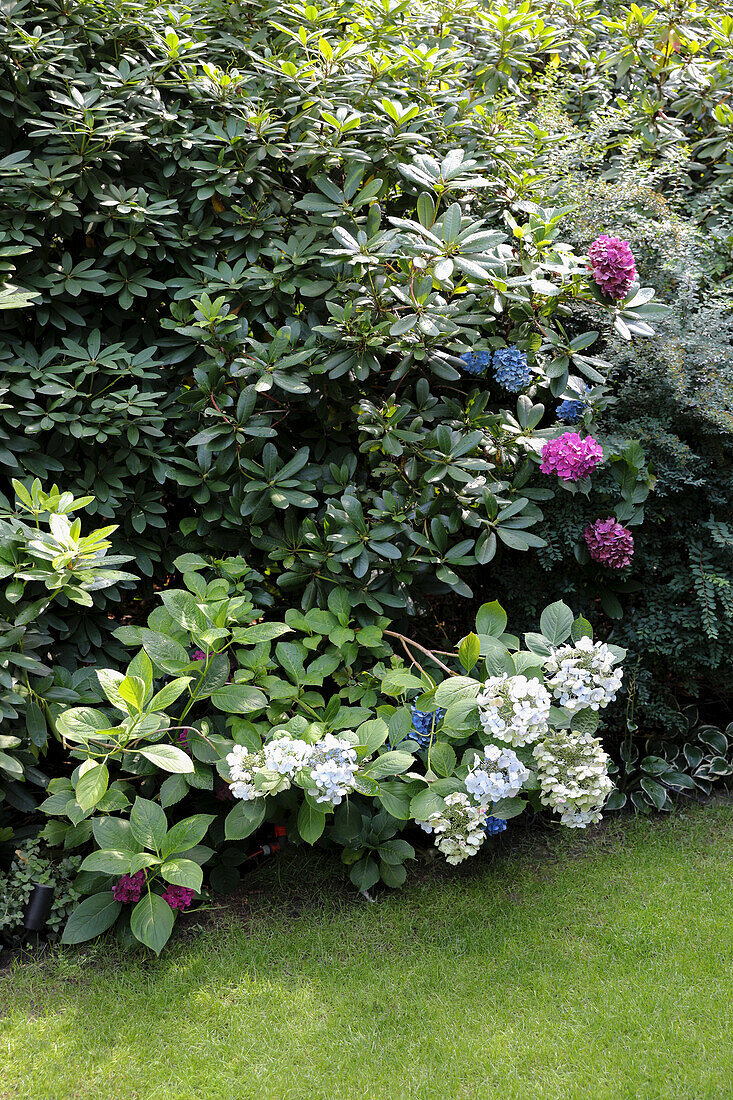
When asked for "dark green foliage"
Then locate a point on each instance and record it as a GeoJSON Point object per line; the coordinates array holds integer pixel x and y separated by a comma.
{"type": "Point", "coordinates": [258, 255]}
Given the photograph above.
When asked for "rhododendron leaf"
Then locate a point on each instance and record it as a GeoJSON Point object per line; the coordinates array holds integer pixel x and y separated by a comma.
{"type": "Point", "coordinates": [152, 921]}
{"type": "Point", "coordinates": [91, 917]}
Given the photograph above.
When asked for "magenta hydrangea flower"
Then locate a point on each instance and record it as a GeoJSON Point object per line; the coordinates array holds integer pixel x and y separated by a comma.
{"type": "Point", "coordinates": [612, 266]}
{"type": "Point", "coordinates": [198, 655]}
{"type": "Point", "coordinates": [609, 543]}
{"type": "Point", "coordinates": [571, 456]}
{"type": "Point", "coordinates": [178, 897]}
{"type": "Point", "coordinates": [129, 887]}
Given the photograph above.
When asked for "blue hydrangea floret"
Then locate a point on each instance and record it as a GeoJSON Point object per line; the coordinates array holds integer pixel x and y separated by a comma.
{"type": "Point", "coordinates": [424, 723]}
{"type": "Point", "coordinates": [476, 362]}
{"type": "Point", "coordinates": [494, 825]}
{"type": "Point", "coordinates": [511, 369]}
{"type": "Point", "coordinates": [570, 412]}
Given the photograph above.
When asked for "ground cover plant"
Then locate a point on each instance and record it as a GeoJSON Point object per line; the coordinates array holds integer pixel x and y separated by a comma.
{"type": "Point", "coordinates": [616, 953]}
{"type": "Point", "coordinates": [335, 318]}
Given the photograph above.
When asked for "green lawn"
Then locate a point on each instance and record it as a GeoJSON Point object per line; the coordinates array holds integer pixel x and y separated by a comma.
{"type": "Point", "coordinates": [586, 968]}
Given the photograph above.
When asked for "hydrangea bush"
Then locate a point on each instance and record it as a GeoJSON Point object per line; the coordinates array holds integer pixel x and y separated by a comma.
{"type": "Point", "coordinates": [314, 723]}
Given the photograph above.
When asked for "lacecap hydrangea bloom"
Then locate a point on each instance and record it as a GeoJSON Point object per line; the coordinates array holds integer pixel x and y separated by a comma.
{"type": "Point", "coordinates": [609, 543]}
{"type": "Point", "coordinates": [332, 767]}
{"type": "Point", "coordinates": [476, 362]}
{"type": "Point", "coordinates": [287, 755]}
{"type": "Point", "coordinates": [612, 266]}
{"type": "Point", "coordinates": [499, 773]}
{"type": "Point", "coordinates": [511, 369]}
{"type": "Point", "coordinates": [458, 829]}
{"type": "Point", "coordinates": [424, 725]}
{"type": "Point", "coordinates": [583, 675]}
{"type": "Point", "coordinates": [243, 767]}
{"type": "Point", "coordinates": [573, 772]}
{"type": "Point", "coordinates": [514, 709]}
{"type": "Point", "coordinates": [571, 456]}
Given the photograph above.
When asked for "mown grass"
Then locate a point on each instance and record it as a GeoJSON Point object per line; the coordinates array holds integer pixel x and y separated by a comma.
{"type": "Point", "coordinates": [586, 968]}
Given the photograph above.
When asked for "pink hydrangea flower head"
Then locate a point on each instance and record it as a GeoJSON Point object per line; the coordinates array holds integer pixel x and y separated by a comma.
{"type": "Point", "coordinates": [178, 897]}
{"type": "Point", "coordinates": [612, 266]}
{"type": "Point", "coordinates": [128, 888]}
{"type": "Point", "coordinates": [609, 543]}
{"type": "Point", "coordinates": [571, 456]}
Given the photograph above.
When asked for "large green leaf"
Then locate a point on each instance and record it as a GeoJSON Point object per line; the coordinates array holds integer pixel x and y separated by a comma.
{"type": "Point", "coordinates": [91, 917]}
{"type": "Point", "coordinates": [91, 786]}
{"type": "Point", "coordinates": [151, 922]}
{"type": "Point", "coordinates": [169, 758]}
{"type": "Point", "coordinates": [244, 819]}
{"type": "Point", "coordinates": [185, 834]}
{"type": "Point", "coordinates": [238, 698]}
{"type": "Point", "coordinates": [183, 872]}
{"type": "Point", "coordinates": [556, 622]}
{"type": "Point", "coordinates": [311, 823]}
{"type": "Point", "coordinates": [148, 823]}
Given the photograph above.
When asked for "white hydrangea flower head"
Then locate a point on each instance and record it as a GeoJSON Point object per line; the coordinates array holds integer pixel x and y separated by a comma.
{"type": "Point", "coordinates": [583, 675]}
{"type": "Point", "coordinates": [287, 755]}
{"type": "Point", "coordinates": [332, 765]}
{"type": "Point", "coordinates": [573, 772]}
{"type": "Point", "coordinates": [458, 829]}
{"type": "Point", "coordinates": [514, 709]}
{"type": "Point", "coordinates": [499, 773]}
{"type": "Point", "coordinates": [243, 765]}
